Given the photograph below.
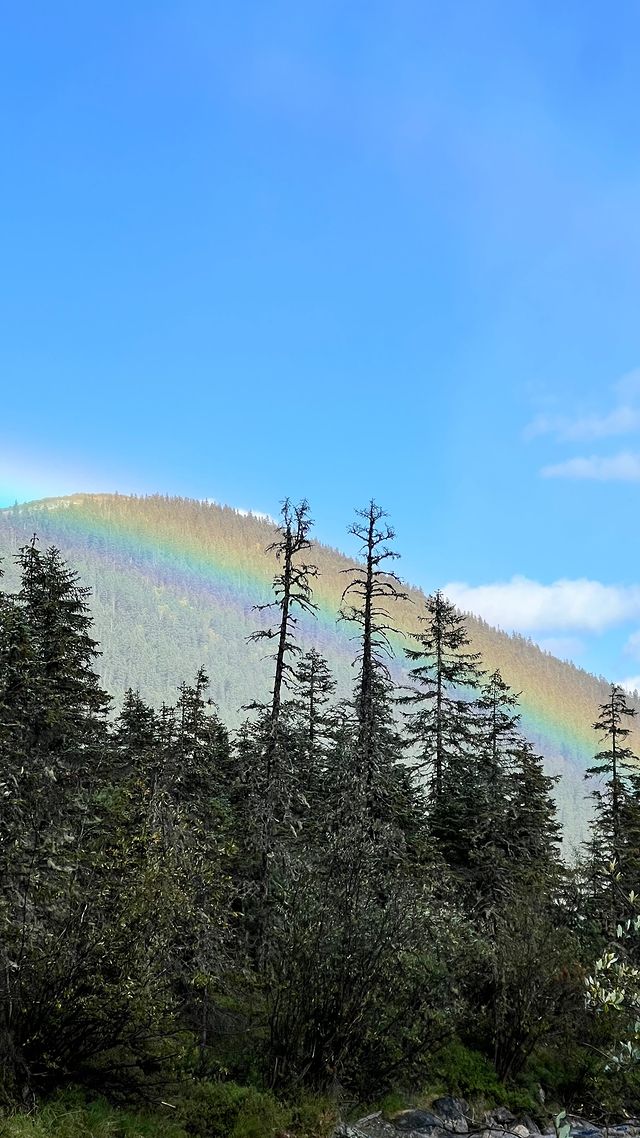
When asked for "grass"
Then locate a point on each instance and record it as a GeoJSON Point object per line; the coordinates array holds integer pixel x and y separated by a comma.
{"type": "Point", "coordinates": [208, 1110]}
{"type": "Point", "coordinates": [68, 1119]}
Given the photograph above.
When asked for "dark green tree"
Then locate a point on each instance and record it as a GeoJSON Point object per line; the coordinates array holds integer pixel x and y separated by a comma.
{"type": "Point", "coordinates": [439, 723]}
{"type": "Point", "coordinates": [265, 751]}
{"type": "Point", "coordinates": [611, 766]}
{"type": "Point", "coordinates": [367, 602]}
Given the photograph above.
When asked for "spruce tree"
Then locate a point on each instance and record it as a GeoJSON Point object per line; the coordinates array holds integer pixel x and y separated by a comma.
{"type": "Point", "coordinates": [470, 818]}
{"type": "Point", "coordinates": [313, 725]}
{"type": "Point", "coordinates": [533, 832]}
{"type": "Point", "coordinates": [611, 852]}
{"type": "Point", "coordinates": [367, 602]}
{"type": "Point", "coordinates": [439, 723]}
{"type": "Point", "coordinates": [66, 720]}
{"type": "Point", "coordinates": [611, 766]}
{"type": "Point", "coordinates": [264, 747]}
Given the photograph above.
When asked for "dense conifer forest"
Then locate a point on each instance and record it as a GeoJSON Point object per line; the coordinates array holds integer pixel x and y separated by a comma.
{"type": "Point", "coordinates": [345, 897]}
{"type": "Point", "coordinates": [174, 584]}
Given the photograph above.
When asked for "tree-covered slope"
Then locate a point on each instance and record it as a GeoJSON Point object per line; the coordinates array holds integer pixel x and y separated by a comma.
{"type": "Point", "coordinates": [174, 586]}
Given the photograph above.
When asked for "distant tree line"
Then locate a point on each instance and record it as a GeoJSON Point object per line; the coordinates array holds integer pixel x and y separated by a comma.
{"type": "Point", "coordinates": [332, 896]}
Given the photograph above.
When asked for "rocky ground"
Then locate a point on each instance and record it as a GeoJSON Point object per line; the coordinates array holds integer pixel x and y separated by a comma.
{"type": "Point", "coordinates": [450, 1116]}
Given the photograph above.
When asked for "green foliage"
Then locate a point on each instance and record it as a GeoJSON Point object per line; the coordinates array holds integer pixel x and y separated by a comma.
{"type": "Point", "coordinates": [227, 1110]}
{"type": "Point", "coordinates": [72, 1117]}
{"type": "Point", "coordinates": [246, 924]}
{"type": "Point", "coordinates": [460, 1070]}
{"type": "Point", "coordinates": [207, 1110]}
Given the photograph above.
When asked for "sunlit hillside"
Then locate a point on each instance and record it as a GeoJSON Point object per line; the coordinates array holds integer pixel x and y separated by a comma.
{"type": "Point", "coordinates": [174, 586]}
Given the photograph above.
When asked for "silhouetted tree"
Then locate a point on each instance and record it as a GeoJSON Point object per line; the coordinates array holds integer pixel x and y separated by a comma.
{"type": "Point", "coordinates": [439, 725]}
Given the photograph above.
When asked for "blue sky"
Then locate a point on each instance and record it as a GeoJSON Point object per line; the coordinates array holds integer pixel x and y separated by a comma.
{"type": "Point", "coordinates": [340, 250]}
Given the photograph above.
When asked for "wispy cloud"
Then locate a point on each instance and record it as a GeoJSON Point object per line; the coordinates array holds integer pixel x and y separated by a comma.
{"type": "Point", "coordinates": [631, 684]}
{"type": "Point", "coordinates": [623, 467]}
{"type": "Point", "coordinates": [564, 647]}
{"type": "Point", "coordinates": [621, 419]}
{"type": "Point", "coordinates": [632, 647]}
{"type": "Point", "coordinates": [526, 606]}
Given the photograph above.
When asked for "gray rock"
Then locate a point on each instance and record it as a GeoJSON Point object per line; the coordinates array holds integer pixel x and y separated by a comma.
{"type": "Point", "coordinates": [419, 1122]}
{"type": "Point", "coordinates": [531, 1126]}
{"type": "Point", "coordinates": [520, 1130]}
{"type": "Point", "coordinates": [500, 1117]}
{"type": "Point", "coordinates": [454, 1114]}
{"type": "Point", "coordinates": [374, 1126]}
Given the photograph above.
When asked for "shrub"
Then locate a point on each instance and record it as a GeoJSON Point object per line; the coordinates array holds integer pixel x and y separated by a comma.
{"type": "Point", "coordinates": [227, 1110]}
{"type": "Point", "coordinates": [462, 1071]}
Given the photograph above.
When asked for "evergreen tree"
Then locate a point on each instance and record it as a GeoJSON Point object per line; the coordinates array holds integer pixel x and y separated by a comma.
{"type": "Point", "coordinates": [66, 718]}
{"type": "Point", "coordinates": [439, 726]}
{"type": "Point", "coordinates": [612, 852]}
{"type": "Point", "coordinates": [292, 595]}
{"type": "Point", "coordinates": [270, 777]}
{"type": "Point", "coordinates": [313, 725]}
{"type": "Point", "coordinates": [611, 765]}
{"type": "Point", "coordinates": [470, 818]}
{"type": "Point", "coordinates": [366, 602]}
{"type": "Point", "coordinates": [533, 832]}
{"type": "Point", "coordinates": [314, 689]}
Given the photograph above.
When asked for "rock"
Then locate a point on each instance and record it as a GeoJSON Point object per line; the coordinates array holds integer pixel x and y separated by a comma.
{"type": "Point", "coordinates": [520, 1130]}
{"type": "Point", "coordinates": [531, 1126]}
{"type": "Point", "coordinates": [343, 1130]}
{"type": "Point", "coordinates": [500, 1118]}
{"type": "Point", "coordinates": [419, 1122]}
{"type": "Point", "coordinates": [454, 1113]}
{"type": "Point", "coordinates": [373, 1126]}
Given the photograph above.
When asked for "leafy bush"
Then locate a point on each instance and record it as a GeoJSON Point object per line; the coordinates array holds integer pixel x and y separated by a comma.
{"type": "Point", "coordinates": [460, 1070]}
{"type": "Point", "coordinates": [227, 1110]}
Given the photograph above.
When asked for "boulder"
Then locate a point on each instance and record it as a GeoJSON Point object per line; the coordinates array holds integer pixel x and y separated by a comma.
{"type": "Point", "coordinates": [454, 1113]}
{"type": "Point", "coordinates": [499, 1119]}
{"type": "Point", "coordinates": [420, 1122]}
{"type": "Point", "coordinates": [373, 1126]}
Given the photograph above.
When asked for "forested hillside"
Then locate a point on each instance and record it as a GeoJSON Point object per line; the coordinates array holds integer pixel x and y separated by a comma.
{"type": "Point", "coordinates": [174, 583]}
{"type": "Point", "coordinates": [348, 895]}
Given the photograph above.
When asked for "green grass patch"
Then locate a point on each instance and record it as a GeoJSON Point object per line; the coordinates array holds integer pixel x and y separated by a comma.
{"type": "Point", "coordinates": [66, 1118]}
{"type": "Point", "coordinates": [205, 1110]}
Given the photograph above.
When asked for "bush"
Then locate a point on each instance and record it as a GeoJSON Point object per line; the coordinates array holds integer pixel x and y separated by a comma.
{"type": "Point", "coordinates": [227, 1110]}
{"type": "Point", "coordinates": [462, 1071]}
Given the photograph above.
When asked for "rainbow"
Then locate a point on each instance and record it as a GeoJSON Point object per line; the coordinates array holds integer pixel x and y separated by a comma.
{"type": "Point", "coordinates": [217, 555]}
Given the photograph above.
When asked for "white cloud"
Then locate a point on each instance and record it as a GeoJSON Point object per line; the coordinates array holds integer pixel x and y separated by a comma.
{"type": "Point", "coordinates": [622, 419]}
{"type": "Point", "coordinates": [623, 467]}
{"type": "Point", "coordinates": [564, 647]}
{"type": "Point", "coordinates": [262, 517]}
{"type": "Point", "coordinates": [631, 684]}
{"type": "Point", "coordinates": [632, 647]}
{"type": "Point", "coordinates": [522, 605]}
